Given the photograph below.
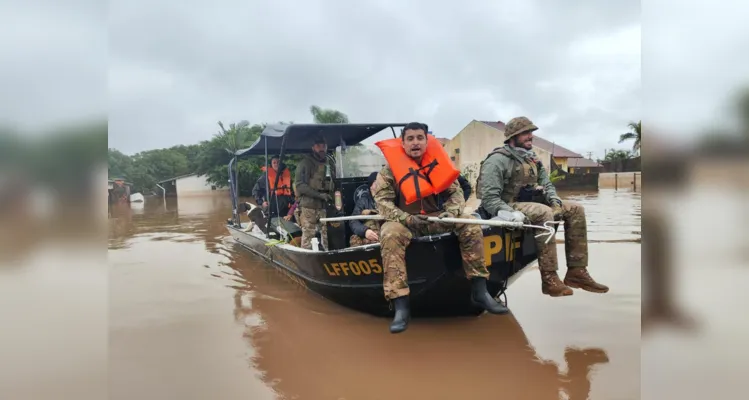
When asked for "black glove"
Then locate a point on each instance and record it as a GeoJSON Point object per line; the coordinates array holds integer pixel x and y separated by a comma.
{"type": "Point", "coordinates": [417, 220]}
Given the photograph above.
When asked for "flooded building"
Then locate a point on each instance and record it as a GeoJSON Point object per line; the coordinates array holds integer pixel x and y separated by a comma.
{"type": "Point", "coordinates": [583, 166]}
{"type": "Point", "coordinates": [188, 185]}
{"type": "Point", "coordinates": [471, 145]}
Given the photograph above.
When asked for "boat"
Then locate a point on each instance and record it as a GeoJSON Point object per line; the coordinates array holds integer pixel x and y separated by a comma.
{"type": "Point", "coordinates": [352, 276]}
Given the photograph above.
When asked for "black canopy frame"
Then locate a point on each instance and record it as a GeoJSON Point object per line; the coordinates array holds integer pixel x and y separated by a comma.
{"type": "Point", "coordinates": [283, 139]}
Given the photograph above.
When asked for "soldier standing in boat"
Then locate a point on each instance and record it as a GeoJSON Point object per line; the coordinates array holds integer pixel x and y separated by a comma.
{"type": "Point", "coordinates": [406, 205]}
{"type": "Point", "coordinates": [509, 179]}
{"type": "Point", "coordinates": [314, 195]}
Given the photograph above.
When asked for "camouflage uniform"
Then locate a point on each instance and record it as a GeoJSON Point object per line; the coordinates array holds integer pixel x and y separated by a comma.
{"type": "Point", "coordinates": [396, 234]}
{"type": "Point", "coordinates": [357, 240]}
{"type": "Point", "coordinates": [503, 175]}
{"type": "Point", "coordinates": [309, 181]}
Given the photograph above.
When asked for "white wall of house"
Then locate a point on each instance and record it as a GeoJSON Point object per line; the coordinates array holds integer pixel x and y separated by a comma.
{"type": "Point", "coordinates": [193, 185]}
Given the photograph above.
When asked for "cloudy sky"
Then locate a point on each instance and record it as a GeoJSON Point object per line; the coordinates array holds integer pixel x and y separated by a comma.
{"type": "Point", "coordinates": [176, 71]}
{"type": "Point", "coordinates": [177, 67]}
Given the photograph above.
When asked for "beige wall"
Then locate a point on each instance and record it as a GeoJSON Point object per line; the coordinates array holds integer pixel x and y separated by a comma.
{"type": "Point", "coordinates": [561, 162]}
{"type": "Point", "coordinates": [477, 140]}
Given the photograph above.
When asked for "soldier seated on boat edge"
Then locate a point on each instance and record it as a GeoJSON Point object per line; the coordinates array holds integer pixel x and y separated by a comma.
{"type": "Point", "coordinates": [418, 164]}
{"type": "Point", "coordinates": [364, 231]}
{"type": "Point", "coordinates": [512, 181]}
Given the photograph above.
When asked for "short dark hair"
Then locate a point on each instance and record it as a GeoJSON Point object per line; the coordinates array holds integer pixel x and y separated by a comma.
{"type": "Point", "coordinates": [274, 158]}
{"type": "Point", "coordinates": [414, 126]}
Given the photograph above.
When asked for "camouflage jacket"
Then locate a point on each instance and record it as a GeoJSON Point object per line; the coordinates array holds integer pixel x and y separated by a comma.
{"type": "Point", "coordinates": [393, 210]}
{"type": "Point", "coordinates": [309, 182]}
{"type": "Point", "coordinates": [500, 172]}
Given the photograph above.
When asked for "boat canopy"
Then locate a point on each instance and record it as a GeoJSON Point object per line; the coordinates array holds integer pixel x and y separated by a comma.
{"type": "Point", "coordinates": [298, 138]}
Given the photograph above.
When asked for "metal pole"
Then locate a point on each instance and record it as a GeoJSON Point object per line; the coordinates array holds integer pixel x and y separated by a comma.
{"type": "Point", "coordinates": [163, 194]}
{"type": "Point", "coordinates": [616, 181]}
{"type": "Point", "coordinates": [471, 221]}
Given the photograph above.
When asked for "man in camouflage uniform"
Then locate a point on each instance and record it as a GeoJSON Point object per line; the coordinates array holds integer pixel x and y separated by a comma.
{"type": "Point", "coordinates": [314, 194]}
{"type": "Point", "coordinates": [366, 231]}
{"type": "Point", "coordinates": [403, 222]}
{"type": "Point", "coordinates": [508, 178]}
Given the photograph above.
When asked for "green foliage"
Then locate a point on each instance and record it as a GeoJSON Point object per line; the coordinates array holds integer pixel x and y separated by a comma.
{"type": "Point", "coordinates": [635, 134]}
{"type": "Point", "coordinates": [208, 158]}
{"type": "Point", "coordinates": [556, 176]}
{"type": "Point", "coordinates": [615, 155]}
{"type": "Point", "coordinates": [328, 116]}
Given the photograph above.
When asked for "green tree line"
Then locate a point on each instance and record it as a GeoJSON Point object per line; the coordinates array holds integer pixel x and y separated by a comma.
{"type": "Point", "coordinates": [208, 158]}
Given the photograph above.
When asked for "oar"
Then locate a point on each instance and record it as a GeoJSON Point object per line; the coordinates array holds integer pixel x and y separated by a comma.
{"type": "Point", "coordinates": [488, 222]}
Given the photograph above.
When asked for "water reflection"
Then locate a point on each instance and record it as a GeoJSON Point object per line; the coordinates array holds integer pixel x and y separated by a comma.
{"type": "Point", "coordinates": [183, 276]}
{"type": "Point", "coordinates": [316, 355]}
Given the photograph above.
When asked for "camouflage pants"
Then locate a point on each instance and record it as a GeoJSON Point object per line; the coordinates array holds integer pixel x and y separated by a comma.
{"type": "Point", "coordinates": [575, 234]}
{"type": "Point", "coordinates": [357, 240]}
{"type": "Point", "coordinates": [309, 220]}
{"type": "Point", "coordinates": [395, 237]}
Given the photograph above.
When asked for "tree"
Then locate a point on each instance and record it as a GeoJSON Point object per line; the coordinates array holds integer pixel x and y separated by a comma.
{"type": "Point", "coordinates": [328, 116]}
{"type": "Point", "coordinates": [634, 134]}
{"type": "Point", "coordinates": [216, 153]}
{"type": "Point", "coordinates": [616, 155]}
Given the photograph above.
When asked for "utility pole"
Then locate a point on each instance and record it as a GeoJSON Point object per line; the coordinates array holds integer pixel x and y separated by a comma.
{"type": "Point", "coordinates": [590, 155]}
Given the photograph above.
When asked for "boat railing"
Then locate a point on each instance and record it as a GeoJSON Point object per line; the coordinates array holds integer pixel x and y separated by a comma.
{"type": "Point", "coordinates": [547, 226]}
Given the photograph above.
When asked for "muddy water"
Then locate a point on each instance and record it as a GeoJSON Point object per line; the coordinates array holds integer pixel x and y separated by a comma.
{"type": "Point", "coordinates": [193, 316]}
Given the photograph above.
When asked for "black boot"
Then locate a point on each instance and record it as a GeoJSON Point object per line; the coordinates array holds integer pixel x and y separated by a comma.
{"type": "Point", "coordinates": [480, 297]}
{"type": "Point", "coordinates": [402, 315]}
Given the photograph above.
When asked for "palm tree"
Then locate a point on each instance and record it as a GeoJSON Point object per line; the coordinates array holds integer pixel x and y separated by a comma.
{"type": "Point", "coordinates": [233, 138]}
{"type": "Point", "coordinates": [328, 116]}
{"type": "Point", "coordinates": [634, 134]}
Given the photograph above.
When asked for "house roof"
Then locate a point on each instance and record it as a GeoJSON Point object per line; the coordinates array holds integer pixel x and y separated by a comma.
{"type": "Point", "coordinates": [555, 149]}
{"type": "Point", "coordinates": [176, 177]}
{"type": "Point", "coordinates": [582, 163]}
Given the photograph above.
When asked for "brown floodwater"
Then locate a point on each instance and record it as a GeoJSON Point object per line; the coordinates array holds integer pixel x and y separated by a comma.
{"type": "Point", "coordinates": [194, 316]}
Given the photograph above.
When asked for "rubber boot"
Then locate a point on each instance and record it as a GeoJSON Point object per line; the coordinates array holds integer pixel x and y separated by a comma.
{"type": "Point", "coordinates": [480, 297]}
{"type": "Point", "coordinates": [402, 315]}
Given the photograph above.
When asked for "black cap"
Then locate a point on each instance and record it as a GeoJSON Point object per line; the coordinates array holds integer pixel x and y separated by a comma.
{"type": "Point", "coordinates": [371, 178]}
{"type": "Point", "coordinates": [319, 139]}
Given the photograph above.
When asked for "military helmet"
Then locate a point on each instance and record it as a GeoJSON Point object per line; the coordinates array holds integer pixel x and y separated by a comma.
{"type": "Point", "coordinates": [517, 126]}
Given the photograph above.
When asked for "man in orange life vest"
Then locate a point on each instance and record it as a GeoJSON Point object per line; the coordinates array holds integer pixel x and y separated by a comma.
{"type": "Point", "coordinates": [406, 208]}
{"type": "Point", "coordinates": [282, 197]}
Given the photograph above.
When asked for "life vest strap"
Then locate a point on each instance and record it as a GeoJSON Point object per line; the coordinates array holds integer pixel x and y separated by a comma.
{"type": "Point", "coordinates": [416, 174]}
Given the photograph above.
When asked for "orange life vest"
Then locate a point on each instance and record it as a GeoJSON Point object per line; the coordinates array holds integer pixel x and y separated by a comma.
{"type": "Point", "coordinates": [284, 182]}
{"type": "Point", "coordinates": [415, 182]}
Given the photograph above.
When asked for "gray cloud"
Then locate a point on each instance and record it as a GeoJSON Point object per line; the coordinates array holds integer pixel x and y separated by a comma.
{"type": "Point", "coordinates": [176, 71]}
